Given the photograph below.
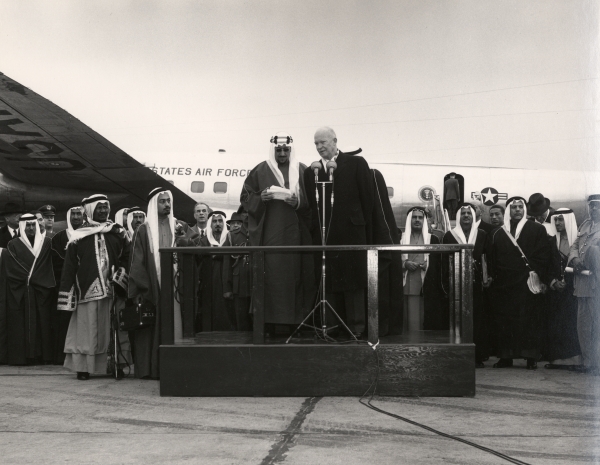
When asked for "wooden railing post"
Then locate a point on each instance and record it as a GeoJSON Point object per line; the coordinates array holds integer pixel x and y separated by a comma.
{"type": "Point", "coordinates": [373, 293]}
{"type": "Point", "coordinates": [188, 294]}
{"type": "Point", "coordinates": [258, 297]}
{"type": "Point", "coordinates": [167, 325]}
{"type": "Point", "coordinates": [466, 317]}
{"type": "Point", "coordinates": [457, 297]}
{"type": "Point", "coordinates": [451, 308]}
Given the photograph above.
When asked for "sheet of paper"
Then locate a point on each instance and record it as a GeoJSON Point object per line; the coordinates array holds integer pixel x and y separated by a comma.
{"type": "Point", "coordinates": [280, 193]}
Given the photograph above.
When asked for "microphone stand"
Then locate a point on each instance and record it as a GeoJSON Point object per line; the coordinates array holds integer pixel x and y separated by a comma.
{"type": "Point", "coordinates": [323, 304]}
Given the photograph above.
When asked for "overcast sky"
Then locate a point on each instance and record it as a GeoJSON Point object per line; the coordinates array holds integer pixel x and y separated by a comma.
{"type": "Point", "coordinates": [495, 83]}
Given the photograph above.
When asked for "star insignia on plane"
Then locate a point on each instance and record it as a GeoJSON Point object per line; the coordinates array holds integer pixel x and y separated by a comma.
{"type": "Point", "coordinates": [491, 196]}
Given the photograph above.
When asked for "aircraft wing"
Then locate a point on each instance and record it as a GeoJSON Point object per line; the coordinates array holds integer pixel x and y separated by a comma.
{"type": "Point", "coordinates": [42, 145]}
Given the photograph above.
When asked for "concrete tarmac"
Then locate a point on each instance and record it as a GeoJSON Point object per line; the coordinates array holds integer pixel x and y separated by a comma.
{"type": "Point", "coordinates": [545, 417]}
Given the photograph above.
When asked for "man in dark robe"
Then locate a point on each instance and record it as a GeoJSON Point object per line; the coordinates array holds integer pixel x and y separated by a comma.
{"type": "Point", "coordinates": [584, 257]}
{"type": "Point", "coordinates": [213, 295]}
{"type": "Point", "coordinates": [385, 231]}
{"type": "Point", "coordinates": [237, 274]}
{"type": "Point", "coordinates": [451, 195]}
{"type": "Point", "coordinates": [517, 307]}
{"type": "Point", "coordinates": [347, 222]}
{"type": "Point", "coordinates": [160, 230]}
{"type": "Point", "coordinates": [562, 349]}
{"type": "Point", "coordinates": [10, 230]}
{"type": "Point", "coordinates": [27, 295]}
{"type": "Point", "coordinates": [279, 215]}
{"type": "Point", "coordinates": [466, 232]}
{"type": "Point", "coordinates": [60, 319]}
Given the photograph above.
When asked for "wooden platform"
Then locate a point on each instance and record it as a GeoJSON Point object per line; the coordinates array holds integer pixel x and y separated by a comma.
{"type": "Point", "coordinates": [423, 363]}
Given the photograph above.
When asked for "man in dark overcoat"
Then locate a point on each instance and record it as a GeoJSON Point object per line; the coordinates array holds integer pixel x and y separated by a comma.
{"type": "Point", "coordinates": [348, 215]}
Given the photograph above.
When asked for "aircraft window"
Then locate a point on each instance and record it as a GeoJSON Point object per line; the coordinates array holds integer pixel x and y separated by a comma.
{"type": "Point", "coordinates": [198, 187]}
{"type": "Point", "coordinates": [172, 182]}
{"type": "Point", "coordinates": [390, 192]}
{"type": "Point", "coordinates": [220, 188]}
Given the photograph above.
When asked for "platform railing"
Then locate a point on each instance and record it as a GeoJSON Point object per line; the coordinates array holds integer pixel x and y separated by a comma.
{"type": "Point", "coordinates": [460, 280]}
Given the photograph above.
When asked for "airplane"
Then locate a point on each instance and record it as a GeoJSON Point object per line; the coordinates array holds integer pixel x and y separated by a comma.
{"type": "Point", "coordinates": [219, 183]}
{"type": "Point", "coordinates": [48, 156]}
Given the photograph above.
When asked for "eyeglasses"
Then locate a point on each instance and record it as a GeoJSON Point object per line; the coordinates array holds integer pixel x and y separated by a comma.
{"type": "Point", "coordinates": [282, 149]}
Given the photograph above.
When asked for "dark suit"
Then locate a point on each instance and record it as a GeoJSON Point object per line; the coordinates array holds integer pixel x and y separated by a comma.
{"type": "Point", "coordinates": [5, 236]}
{"type": "Point", "coordinates": [347, 223]}
{"type": "Point", "coordinates": [486, 227]}
{"type": "Point", "coordinates": [451, 196]}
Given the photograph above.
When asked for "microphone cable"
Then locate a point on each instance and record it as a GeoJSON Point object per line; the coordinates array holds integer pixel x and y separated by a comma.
{"type": "Point", "coordinates": [370, 405]}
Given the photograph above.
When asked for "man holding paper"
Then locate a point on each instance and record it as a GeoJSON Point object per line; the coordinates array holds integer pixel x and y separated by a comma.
{"type": "Point", "coordinates": [278, 215]}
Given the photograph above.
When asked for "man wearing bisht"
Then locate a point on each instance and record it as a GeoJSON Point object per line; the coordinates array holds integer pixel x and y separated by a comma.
{"type": "Point", "coordinates": [95, 253]}
{"type": "Point", "coordinates": [211, 272]}
{"type": "Point", "coordinates": [27, 295]}
{"type": "Point", "coordinates": [279, 215]}
{"type": "Point", "coordinates": [584, 257]}
{"type": "Point", "coordinates": [60, 319]}
{"type": "Point", "coordinates": [562, 349]}
{"type": "Point", "coordinates": [160, 230]}
{"type": "Point", "coordinates": [520, 256]}
{"type": "Point", "coordinates": [423, 301]}
{"type": "Point", "coordinates": [467, 232]}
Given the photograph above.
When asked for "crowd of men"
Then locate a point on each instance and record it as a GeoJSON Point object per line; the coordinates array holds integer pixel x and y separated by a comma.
{"type": "Point", "coordinates": [536, 276]}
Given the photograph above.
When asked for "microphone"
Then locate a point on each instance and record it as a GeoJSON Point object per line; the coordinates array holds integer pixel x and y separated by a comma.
{"type": "Point", "coordinates": [331, 167]}
{"type": "Point", "coordinates": [315, 166]}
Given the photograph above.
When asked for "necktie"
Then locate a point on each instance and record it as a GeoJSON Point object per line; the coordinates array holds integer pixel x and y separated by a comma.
{"type": "Point", "coordinates": [202, 234]}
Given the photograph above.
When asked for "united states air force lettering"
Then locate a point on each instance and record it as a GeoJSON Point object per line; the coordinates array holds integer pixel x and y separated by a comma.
{"type": "Point", "coordinates": [185, 171]}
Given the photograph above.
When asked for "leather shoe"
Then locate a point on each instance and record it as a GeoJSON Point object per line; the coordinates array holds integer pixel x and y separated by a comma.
{"type": "Point", "coordinates": [531, 364]}
{"type": "Point", "coordinates": [504, 363]}
{"type": "Point", "coordinates": [83, 375]}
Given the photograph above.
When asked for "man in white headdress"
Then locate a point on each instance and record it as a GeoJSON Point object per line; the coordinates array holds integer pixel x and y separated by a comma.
{"type": "Point", "coordinates": [423, 306]}
{"type": "Point", "coordinates": [584, 257]}
{"type": "Point", "coordinates": [562, 345]}
{"type": "Point", "coordinates": [211, 275]}
{"type": "Point", "coordinates": [467, 232]}
{"type": "Point", "coordinates": [121, 217]}
{"type": "Point", "coordinates": [160, 230]}
{"type": "Point", "coordinates": [517, 308]}
{"type": "Point", "coordinates": [27, 295]}
{"type": "Point", "coordinates": [60, 320]}
{"type": "Point", "coordinates": [135, 217]}
{"type": "Point", "coordinates": [95, 252]}
{"type": "Point", "coordinates": [278, 215]}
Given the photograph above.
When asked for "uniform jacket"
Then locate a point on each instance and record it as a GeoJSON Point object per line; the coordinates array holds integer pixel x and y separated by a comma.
{"type": "Point", "coordinates": [237, 269]}
{"type": "Point", "coordinates": [585, 286]}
